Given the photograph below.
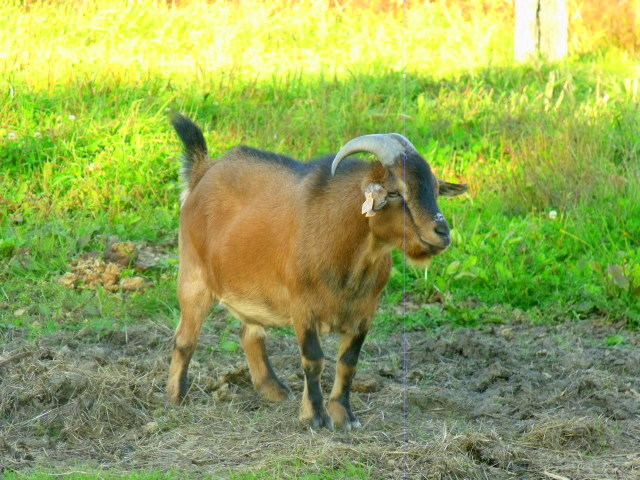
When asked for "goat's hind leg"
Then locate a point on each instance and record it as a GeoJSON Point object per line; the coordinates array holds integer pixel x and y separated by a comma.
{"type": "Point", "coordinates": [263, 377]}
{"type": "Point", "coordinates": [195, 301]}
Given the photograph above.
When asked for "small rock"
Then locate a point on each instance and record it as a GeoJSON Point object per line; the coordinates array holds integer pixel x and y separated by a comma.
{"type": "Point", "coordinates": [19, 312]}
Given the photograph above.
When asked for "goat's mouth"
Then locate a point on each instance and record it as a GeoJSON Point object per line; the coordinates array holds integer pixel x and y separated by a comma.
{"type": "Point", "coordinates": [420, 251]}
{"type": "Point", "coordinates": [432, 248]}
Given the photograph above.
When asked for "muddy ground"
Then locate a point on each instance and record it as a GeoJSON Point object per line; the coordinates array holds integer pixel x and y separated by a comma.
{"type": "Point", "coordinates": [523, 401]}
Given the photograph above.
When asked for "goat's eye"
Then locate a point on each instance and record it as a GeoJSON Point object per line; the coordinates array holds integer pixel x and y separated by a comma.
{"type": "Point", "coordinates": [394, 194]}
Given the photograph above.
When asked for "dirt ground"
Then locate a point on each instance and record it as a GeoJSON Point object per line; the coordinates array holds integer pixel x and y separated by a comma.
{"type": "Point", "coordinates": [523, 401]}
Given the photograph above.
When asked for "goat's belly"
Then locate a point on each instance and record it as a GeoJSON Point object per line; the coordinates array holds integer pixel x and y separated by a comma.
{"type": "Point", "coordinates": [257, 312]}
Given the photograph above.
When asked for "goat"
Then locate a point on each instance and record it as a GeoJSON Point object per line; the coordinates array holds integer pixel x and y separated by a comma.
{"type": "Point", "coordinates": [280, 242]}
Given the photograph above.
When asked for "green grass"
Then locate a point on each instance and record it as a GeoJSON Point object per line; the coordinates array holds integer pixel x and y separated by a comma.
{"type": "Point", "coordinates": [98, 475]}
{"type": "Point", "coordinates": [341, 471]}
{"type": "Point", "coordinates": [86, 151]}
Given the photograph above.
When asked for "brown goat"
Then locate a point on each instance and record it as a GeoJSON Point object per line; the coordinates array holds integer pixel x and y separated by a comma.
{"type": "Point", "coordinates": [279, 242]}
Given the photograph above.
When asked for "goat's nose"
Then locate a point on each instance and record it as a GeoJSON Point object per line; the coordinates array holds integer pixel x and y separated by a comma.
{"type": "Point", "coordinates": [442, 228]}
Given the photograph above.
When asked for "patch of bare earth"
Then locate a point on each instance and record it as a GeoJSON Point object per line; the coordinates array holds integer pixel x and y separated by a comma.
{"type": "Point", "coordinates": [526, 402]}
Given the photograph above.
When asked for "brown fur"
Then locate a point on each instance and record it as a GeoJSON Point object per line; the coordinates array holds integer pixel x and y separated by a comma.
{"type": "Point", "coordinates": [280, 244]}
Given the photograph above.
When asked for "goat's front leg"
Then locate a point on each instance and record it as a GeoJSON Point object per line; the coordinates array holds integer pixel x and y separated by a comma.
{"type": "Point", "coordinates": [262, 375]}
{"type": "Point", "coordinates": [339, 406]}
{"type": "Point", "coordinates": [312, 408]}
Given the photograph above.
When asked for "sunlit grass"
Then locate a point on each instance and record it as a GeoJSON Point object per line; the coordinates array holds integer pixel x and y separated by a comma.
{"type": "Point", "coordinates": [52, 43]}
{"type": "Point", "coordinates": [86, 150]}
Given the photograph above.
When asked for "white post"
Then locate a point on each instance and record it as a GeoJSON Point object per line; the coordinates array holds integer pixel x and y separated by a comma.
{"type": "Point", "coordinates": [541, 28]}
{"type": "Point", "coordinates": [526, 31]}
{"type": "Point", "coordinates": [554, 29]}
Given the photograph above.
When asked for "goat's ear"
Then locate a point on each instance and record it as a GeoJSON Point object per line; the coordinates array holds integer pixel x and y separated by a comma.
{"type": "Point", "coordinates": [447, 189]}
{"type": "Point", "coordinates": [375, 197]}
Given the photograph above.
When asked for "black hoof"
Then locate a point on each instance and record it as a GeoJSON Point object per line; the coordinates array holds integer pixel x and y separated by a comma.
{"type": "Point", "coordinates": [322, 420]}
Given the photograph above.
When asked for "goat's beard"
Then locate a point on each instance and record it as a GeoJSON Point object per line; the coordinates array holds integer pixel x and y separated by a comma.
{"type": "Point", "coordinates": [420, 254]}
{"type": "Point", "coordinates": [422, 260]}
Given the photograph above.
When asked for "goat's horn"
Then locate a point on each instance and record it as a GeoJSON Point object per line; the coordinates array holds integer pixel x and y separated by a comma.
{"type": "Point", "coordinates": [386, 146]}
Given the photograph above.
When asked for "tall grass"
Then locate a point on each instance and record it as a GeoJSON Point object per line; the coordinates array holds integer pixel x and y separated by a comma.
{"type": "Point", "coordinates": [85, 149]}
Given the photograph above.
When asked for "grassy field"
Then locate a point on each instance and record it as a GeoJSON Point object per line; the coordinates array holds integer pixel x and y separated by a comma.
{"type": "Point", "coordinates": [549, 233]}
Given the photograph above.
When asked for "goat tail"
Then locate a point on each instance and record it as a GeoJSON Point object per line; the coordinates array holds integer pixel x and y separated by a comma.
{"type": "Point", "coordinates": [195, 159]}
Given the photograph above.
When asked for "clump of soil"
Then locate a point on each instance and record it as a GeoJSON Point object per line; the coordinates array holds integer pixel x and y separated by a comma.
{"type": "Point", "coordinates": [108, 269]}
{"type": "Point", "coordinates": [91, 272]}
{"type": "Point", "coordinates": [541, 402]}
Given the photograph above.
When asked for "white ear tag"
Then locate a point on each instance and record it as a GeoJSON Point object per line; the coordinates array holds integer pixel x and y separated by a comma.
{"type": "Point", "coordinates": [367, 206]}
